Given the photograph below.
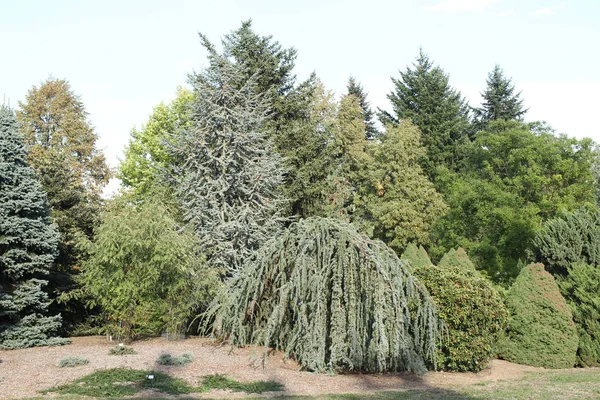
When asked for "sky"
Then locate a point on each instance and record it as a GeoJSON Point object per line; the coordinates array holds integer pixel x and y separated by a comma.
{"type": "Point", "coordinates": [125, 57]}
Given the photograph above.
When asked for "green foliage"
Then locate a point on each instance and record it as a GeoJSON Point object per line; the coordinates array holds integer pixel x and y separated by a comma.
{"type": "Point", "coordinates": [398, 204]}
{"type": "Point", "coordinates": [423, 95]}
{"type": "Point", "coordinates": [417, 256]}
{"type": "Point", "coordinates": [144, 271]}
{"type": "Point", "coordinates": [473, 311]}
{"type": "Point", "coordinates": [571, 237]}
{"type": "Point", "coordinates": [146, 155]}
{"type": "Point", "coordinates": [28, 246]}
{"type": "Point", "coordinates": [580, 288]}
{"type": "Point", "coordinates": [121, 350]}
{"type": "Point", "coordinates": [120, 382]}
{"type": "Point", "coordinates": [221, 382]}
{"type": "Point", "coordinates": [331, 298]}
{"type": "Point", "coordinates": [73, 172]}
{"type": "Point", "coordinates": [72, 362]}
{"type": "Point", "coordinates": [499, 101]}
{"type": "Point", "coordinates": [541, 331]}
{"type": "Point", "coordinates": [516, 176]}
{"type": "Point", "coordinates": [459, 259]}
{"type": "Point", "coordinates": [355, 89]}
{"type": "Point", "coordinates": [167, 359]}
{"type": "Point", "coordinates": [225, 172]}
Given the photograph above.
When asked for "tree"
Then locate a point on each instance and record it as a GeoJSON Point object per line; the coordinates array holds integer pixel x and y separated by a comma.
{"type": "Point", "coordinates": [399, 204]}
{"type": "Point", "coordinates": [143, 271]}
{"type": "Point", "coordinates": [224, 168]}
{"type": "Point", "coordinates": [499, 100]}
{"type": "Point", "coordinates": [333, 299]}
{"type": "Point", "coordinates": [423, 95]}
{"type": "Point", "coordinates": [72, 170]}
{"type": "Point", "coordinates": [355, 88]}
{"type": "Point", "coordinates": [541, 331]}
{"type": "Point", "coordinates": [146, 156]}
{"type": "Point", "coordinates": [304, 139]}
{"type": "Point", "coordinates": [416, 256]}
{"type": "Point", "coordinates": [28, 247]}
{"type": "Point", "coordinates": [569, 238]}
{"type": "Point", "coordinates": [515, 177]}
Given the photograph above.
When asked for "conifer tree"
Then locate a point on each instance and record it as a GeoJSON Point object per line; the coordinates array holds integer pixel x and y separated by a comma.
{"type": "Point", "coordinates": [73, 172]}
{"type": "Point", "coordinates": [28, 247]}
{"type": "Point", "coordinates": [399, 204]}
{"type": "Point", "coordinates": [333, 299]}
{"type": "Point", "coordinates": [225, 170]}
{"type": "Point", "coordinates": [355, 88]}
{"type": "Point", "coordinates": [499, 100]}
{"type": "Point", "coordinates": [423, 95]}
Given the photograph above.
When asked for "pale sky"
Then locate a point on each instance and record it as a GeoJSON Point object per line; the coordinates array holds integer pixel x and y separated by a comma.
{"type": "Point", "coordinates": [124, 57]}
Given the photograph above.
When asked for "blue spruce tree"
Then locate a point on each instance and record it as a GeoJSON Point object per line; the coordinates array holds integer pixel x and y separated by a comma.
{"type": "Point", "coordinates": [28, 247]}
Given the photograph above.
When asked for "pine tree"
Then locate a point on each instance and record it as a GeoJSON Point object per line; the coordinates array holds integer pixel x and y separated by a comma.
{"type": "Point", "coordinates": [73, 172]}
{"type": "Point", "coordinates": [333, 299]}
{"type": "Point", "coordinates": [499, 100]}
{"type": "Point", "coordinates": [423, 95]}
{"type": "Point", "coordinates": [356, 89]}
{"type": "Point", "coordinates": [226, 173]}
{"type": "Point", "coordinates": [28, 247]}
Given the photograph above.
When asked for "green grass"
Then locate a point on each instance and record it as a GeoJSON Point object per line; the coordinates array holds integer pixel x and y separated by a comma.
{"type": "Point", "coordinates": [119, 382]}
{"type": "Point", "coordinates": [548, 385]}
{"type": "Point", "coordinates": [211, 382]}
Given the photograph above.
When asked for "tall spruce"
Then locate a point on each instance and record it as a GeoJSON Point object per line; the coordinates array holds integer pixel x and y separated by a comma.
{"type": "Point", "coordinates": [423, 95]}
{"type": "Point", "coordinates": [332, 298]}
{"type": "Point", "coordinates": [355, 88]}
{"type": "Point", "coordinates": [499, 100]}
{"type": "Point", "coordinates": [28, 247]}
{"type": "Point", "coordinates": [73, 172]}
{"type": "Point", "coordinates": [225, 170]}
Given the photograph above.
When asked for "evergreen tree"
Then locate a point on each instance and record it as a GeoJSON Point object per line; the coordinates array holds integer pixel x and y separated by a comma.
{"type": "Point", "coordinates": [355, 88]}
{"type": "Point", "coordinates": [417, 256]}
{"type": "Point", "coordinates": [72, 170]}
{"type": "Point", "coordinates": [225, 170]}
{"type": "Point", "coordinates": [333, 299]}
{"type": "Point", "coordinates": [28, 247]}
{"type": "Point", "coordinates": [423, 95]}
{"type": "Point", "coordinates": [541, 331]}
{"type": "Point", "coordinates": [499, 100]}
{"type": "Point", "coordinates": [398, 204]}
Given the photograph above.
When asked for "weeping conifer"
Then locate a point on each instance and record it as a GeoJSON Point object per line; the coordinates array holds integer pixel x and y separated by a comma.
{"type": "Point", "coordinates": [333, 299]}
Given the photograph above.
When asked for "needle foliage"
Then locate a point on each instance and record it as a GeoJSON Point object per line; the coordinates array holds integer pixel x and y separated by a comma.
{"type": "Point", "coordinates": [331, 298]}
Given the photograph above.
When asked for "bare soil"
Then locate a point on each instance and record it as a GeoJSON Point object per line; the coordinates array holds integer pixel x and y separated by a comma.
{"type": "Point", "coordinates": [24, 372]}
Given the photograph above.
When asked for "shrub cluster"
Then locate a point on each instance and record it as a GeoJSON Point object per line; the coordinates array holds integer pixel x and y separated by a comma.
{"type": "Point", "coordinates": [167, 359]}
{"type": "Point", "coordinates": [121, 350]}
{"type": "Point", "coordinates": [541, 331]}
{"type": "Point", "coordinates": [72, 362]}
{"type": "Point", "coordinates": [473, 312]}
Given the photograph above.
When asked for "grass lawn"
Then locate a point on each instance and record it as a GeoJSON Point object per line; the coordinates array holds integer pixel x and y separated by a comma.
{"type": "Point", "coordinates": [114, 384]}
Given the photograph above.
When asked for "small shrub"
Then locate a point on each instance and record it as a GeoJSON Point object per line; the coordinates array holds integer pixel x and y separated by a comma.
{"type": "Point", "coordinates": [457, 258]}
{"type": "Point", "coordinates": [473, 312]}
{"type": "Point", "coordinates": [417, 256]}
{"type": "Point", "coordinates": [120, 350]}
{"type": "Point", "coordinates": [540, 331]}
{"type": "Point", "coordinates": [72, 362]}
{"type": "Point", "coordinates": [217, 381]}
{"type": "Point", "coordinates": [581, 288]}
{"type": "Point", "coordinates": [167, 359]}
